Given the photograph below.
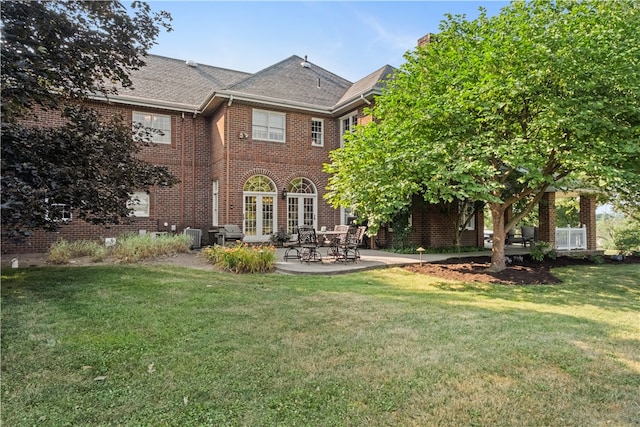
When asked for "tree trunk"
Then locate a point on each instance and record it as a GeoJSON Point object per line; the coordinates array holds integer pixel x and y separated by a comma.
{"type": "Point", "coordinates": [498, 262]}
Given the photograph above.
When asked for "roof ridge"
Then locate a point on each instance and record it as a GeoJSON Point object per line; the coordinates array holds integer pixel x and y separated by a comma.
{"type": "Point", "coordinates": [184, 61]}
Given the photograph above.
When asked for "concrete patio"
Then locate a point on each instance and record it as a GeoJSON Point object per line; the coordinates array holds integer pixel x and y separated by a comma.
{"type": "Point", "coordinates": [372, 259]}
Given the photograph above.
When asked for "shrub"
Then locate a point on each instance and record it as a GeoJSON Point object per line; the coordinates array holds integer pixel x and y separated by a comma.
{"type": "Point", "coordinates": [129, 248]}
{"type": "Point", "coordinates": [280, 237]}
{"type": "Point", "coordinates": [242, 258]}
{"type": "Point", "coordinates": [626, 237]}
{"type": "Point", "coordinates": [543, 250]}
{"type": "Point", "coordinates": [596, 259]}
{"type": "Point", "coordinates": [134, 247]}
{"type": "Point", "coordinates": [62, 251]}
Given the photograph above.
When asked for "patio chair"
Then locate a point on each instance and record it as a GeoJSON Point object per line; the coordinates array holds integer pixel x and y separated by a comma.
{"type": "Point", "coordinates": [308, 243]}
{"type": "Point", "coordinates": [337, 240]}
{"type": "Point", "coordinates": [349, 250]}
{"type": "Point", "coordinates": [528, 235]}
{"type": "Point", "coordinates": [292, 245]}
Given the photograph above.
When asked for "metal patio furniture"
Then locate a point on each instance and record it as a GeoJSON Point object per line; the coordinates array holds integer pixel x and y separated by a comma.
{"type": "Point", "coordinates": [350, 251]}
{"type": "Point", "coordinates": [308, 243]}
{"type": "Point", "coordinates": [337, 238]}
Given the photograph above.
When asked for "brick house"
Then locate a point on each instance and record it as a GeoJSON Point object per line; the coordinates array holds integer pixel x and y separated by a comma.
{"type": "Point", "coordinates": [248, 149]}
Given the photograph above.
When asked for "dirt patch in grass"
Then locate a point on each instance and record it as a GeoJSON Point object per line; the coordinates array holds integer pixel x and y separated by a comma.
{"type": "Point", "coordinates": [521, 271]}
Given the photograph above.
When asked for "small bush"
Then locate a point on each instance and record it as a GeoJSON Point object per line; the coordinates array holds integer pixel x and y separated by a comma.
{"type": "Point", "coordinates": [242, 258]}
{"type": "Point", "coordinates": [129, 248]}
{"type": "Point", "coordinates": [596, 259]}
{"type": "Point", "coordinates": [134, 247]}
{"type": "Point", "coordinates": [543, 250]}
{"type": "Point", "coordinates": [62, 251]}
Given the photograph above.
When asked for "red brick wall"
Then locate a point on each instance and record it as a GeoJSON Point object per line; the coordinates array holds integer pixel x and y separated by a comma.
{"type": "Point", "coordinates": [433, 228]}
{"type": "Point", "coordinates": [547, 218]}
{"type": "Point", "coordinates": [588, 205]}
{"type": "Point", "coordinates": [187, 204]}
{"type": "Point", "coordinates": [281, 162]}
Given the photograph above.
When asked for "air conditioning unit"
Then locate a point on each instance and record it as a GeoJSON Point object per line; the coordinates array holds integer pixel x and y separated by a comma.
{"type": "Point", "coordinates": [196, 237]}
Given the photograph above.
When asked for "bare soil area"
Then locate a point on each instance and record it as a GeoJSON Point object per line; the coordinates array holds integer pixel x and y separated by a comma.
{"type": "Point", "coordinates": [524, 271]}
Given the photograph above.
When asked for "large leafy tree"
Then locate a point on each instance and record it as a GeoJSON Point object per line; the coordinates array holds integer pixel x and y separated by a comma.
{"type": "Point", "coordinates": [499, 109]}
{"type": "Point", "coordinates": [55, 55]}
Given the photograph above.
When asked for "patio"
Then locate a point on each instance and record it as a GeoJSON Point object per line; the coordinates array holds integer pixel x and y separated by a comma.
{"type": "Point", "coordinates": [372, 259]}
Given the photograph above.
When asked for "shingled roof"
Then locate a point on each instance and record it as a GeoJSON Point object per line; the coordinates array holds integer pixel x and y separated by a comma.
{"type": "Point", "coordinates": [177, 84]}
{"type": "Point", "coordinates": [174, 83]}
{"type": "Point", "coordinates": [295, 79]}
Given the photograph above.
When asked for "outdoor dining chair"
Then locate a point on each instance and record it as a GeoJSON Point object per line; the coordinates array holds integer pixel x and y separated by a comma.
{"type": "Point", "coordinates": [308, 242]}
{"type": "Point", "coordinates": [350, 251]}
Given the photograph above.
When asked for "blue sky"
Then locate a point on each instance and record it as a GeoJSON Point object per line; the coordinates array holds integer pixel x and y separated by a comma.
{"type": "Point", "coordinates": [351, 39]}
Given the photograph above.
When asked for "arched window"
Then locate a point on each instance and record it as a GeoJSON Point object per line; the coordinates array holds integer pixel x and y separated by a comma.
{"type": "Point", "coordinates": [259, 183]}
{"type": "Point", "coordinates": [302, 186]}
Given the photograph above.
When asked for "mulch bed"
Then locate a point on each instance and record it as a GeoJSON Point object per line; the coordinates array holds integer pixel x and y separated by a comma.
{"type": "Point", "coordinates": [521, 271]}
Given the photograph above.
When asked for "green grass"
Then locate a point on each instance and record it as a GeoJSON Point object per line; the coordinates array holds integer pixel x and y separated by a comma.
{"type": "Point", "coordinates": [158, 345]}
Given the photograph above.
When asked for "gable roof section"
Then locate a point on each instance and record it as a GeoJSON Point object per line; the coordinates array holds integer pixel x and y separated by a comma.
{"type": "Point", "coordinates": [289, 80]}
{"type": "Point", "coordinates": [373, 82]}
{"type": "Point", "coordinates": [365, 87]}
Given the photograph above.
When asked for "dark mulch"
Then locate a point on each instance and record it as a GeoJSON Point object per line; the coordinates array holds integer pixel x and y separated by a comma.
{"type": "Point", "coordinates": [521, 271]}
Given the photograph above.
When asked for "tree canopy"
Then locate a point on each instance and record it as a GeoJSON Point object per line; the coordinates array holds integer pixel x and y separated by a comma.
{"type": "Point", "coordinates": [55, 55]}
{"type": "Point", "coordinates": [499, 109]}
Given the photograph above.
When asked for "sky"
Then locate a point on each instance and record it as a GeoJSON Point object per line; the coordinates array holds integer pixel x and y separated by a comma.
{"type": "Point", "coordinates": [350, 39]}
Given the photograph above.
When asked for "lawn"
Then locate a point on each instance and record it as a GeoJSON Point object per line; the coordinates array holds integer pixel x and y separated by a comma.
{"type": "Point", "coordinates": [155, 345]}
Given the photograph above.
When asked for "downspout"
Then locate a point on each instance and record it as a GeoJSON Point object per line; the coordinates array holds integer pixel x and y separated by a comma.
{"type": "Point", "coordinates": [182, 171]}
{"type": "Point", "coordinates": [193, 171]}
{"type": "Point", "coordinates": [365, 99]}
{"type": "Point", "coordinates": [226, 125]}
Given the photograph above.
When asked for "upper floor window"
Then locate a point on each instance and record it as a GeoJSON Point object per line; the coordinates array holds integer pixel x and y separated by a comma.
{"type": "Point", "coordinates": [317, 132]}
{"type": "Point", "coordinates": [347, 124]}
{"type": "Point", "coordinates": [268, 125]}
{"type": "Point", "coordinates": [159, 122]}
{"type": "Point", "coordinates": [139, 203]}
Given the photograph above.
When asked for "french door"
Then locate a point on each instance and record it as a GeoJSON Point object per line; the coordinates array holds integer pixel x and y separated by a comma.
{"type": "Point", "coordinates": [259, 209]}
{"type": "Point", "coordinates": [301, 211]}
{"type": "Point", "coordinates": [258, 217]}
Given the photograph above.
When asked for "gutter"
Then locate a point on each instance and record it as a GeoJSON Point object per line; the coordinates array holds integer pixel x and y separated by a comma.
{"type": "Point", "coordinates": [149, 103]}
{"type": "Point", "coordinates": [215, 98]}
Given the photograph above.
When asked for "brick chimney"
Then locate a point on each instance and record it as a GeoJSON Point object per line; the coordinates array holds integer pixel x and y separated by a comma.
{"type": "Point", "coordinates": [425, 40]}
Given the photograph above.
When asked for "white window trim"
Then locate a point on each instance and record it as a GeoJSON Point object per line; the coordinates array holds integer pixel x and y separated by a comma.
{"type": "Point", "coordinates": [321, 121]}
{"type": "Point", "coordinates": [269, 115]}
{"type": "Point", "coordinates": [143, 201]}
{"type": "Point", "coordinates": [64, 210]}
{"type": "Point", "coordinates": [215, 188]}
{"type": "Point", "coordinates": [165, 138]}
{"type": "Point", "coordinates": [353, 121]}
